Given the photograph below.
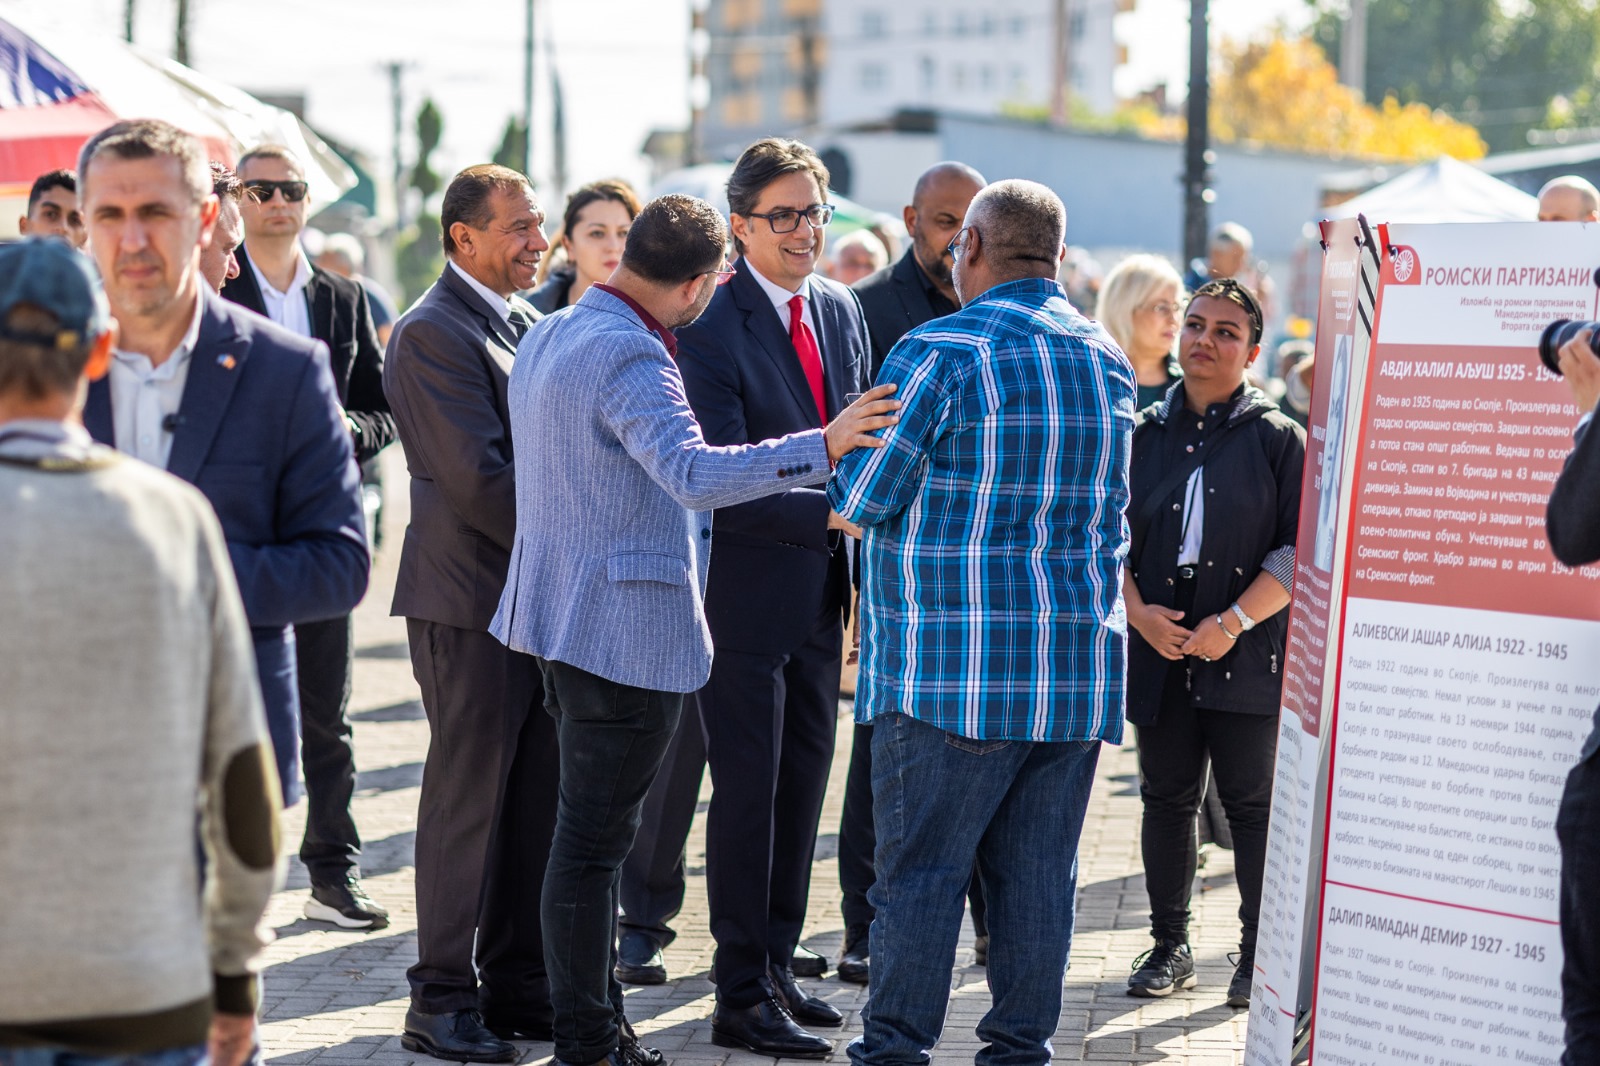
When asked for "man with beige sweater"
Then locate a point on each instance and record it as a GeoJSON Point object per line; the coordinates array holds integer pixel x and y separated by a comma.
{"type": "Point", "coordinates": [130, 698]}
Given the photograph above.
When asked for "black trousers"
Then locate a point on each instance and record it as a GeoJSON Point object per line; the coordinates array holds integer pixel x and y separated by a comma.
{"type": "Point", "coordinates": [484, 822]}
{"type": "Point", "coordinates": [1172, 779]}
{"type": "Point", "coordinates": [1578, 830]}
{"type": "Point", "coordinates": [653, 875]}
{"type": "Point", "coordinates": [769, 725]}
{"type": "Point", "coordinates": [613, 737]}
{"type": "Point", "coordinates": [331, 845]}
{"type": "Point", "coordinates": [858, 839]}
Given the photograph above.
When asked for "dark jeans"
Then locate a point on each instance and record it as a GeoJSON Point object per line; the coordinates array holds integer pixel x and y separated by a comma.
{"type": "Point", "coordinates": [612, 739]}
{"type": "Point", "coordinates": [942, 802]}
{"type": "Point", "coordinates": [653, 877]}
{"type": "Point", "coordinates": [858, 842]}
{"type": "Point", "coordinates": [331, 844]}
{"type": "Point", "coordinates": [1172, 779]}
{"type": "Point", "coordinates": [1578, 830]}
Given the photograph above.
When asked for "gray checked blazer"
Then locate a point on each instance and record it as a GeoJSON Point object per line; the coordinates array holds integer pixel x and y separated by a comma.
{"type": "Point", "coordinates": [615, 485]}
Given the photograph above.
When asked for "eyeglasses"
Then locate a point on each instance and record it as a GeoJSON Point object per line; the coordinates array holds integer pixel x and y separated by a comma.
{"type": "Point", "coordinates": [818, 215]}
{"type": "Point", "coordinates": [957, 241]}
{"type": "Point", "coordinates": [723, 276]}
{"type": "Point", "coordinates": [261, 191]}
{"type": "Point", "coordinates": [1163, 310]}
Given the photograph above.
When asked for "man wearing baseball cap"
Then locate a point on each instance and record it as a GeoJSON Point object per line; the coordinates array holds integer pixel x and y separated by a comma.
{"type": "Point", "coordinates": [130, 688]}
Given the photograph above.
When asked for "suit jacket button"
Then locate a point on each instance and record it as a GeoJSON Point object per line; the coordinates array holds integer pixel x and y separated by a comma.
{"type": "Point", "coordinates": [705, 534]}
{"type": "Point", "coordinates": [783, 473]}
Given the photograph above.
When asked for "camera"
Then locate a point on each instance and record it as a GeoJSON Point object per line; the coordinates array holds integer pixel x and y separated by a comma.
{"type": "Point", "coordinates": [1559, 333]}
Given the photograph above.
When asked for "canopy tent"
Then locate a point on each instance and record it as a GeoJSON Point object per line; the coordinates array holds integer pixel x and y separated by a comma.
{"type": "Point", "coordinates": [1446, 190]}
{"type": "Point", "coordinates": [60, 86]}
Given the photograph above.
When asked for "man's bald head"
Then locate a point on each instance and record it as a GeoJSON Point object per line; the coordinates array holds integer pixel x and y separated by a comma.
{"type": "Point", "coordinates": [946, 177]}
{"type": "Point", "coordinates": [938, 206]}
{"type": "Point", "coordinates": [1569, 198]}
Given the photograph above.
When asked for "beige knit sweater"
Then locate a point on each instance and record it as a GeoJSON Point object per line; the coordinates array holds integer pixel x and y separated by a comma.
{"type": "Point", "coordinates": [128, 705]}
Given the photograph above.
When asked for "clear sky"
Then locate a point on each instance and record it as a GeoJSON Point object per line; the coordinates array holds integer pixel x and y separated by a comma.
{"type": "Point", "coordinates": [623, 63]}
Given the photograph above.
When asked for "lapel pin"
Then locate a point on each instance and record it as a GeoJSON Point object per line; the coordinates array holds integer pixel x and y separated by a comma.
{"type": "Point", "coordinates": [226, 362]}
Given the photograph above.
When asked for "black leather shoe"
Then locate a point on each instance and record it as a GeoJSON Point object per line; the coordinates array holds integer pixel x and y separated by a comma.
{"type": "Point", "coordinates": [632, 1053]}
{"type": "Point", "coordinates": [807, 1010]}
{"type": "Point", "coordinates": [639, 960]}
{"type": "Point", "coordinates": [855, 962]}
{"type": "Point", "coordinates": [766, 1029]}
{"type": "Point", "coordinates": [457, 1035]}
{"type": "Point", "coordinates": [518, 1023]}
{"type": "Point", "coordinates": [807, 963]}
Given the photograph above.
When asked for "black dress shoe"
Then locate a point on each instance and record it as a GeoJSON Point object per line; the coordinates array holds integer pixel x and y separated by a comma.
{"type": "Point", "coordinates": [513, 1023]}
{"type": "Point", "coordinates": [855, 962]}
{"type": "Point", "coordinates": [807, 963]}
{"type": "Point", "coordinates": [808, 1010]}
{"type": "Point", "coordinates": [632, 1053]}
{"type": "Point", "coordinates": [457, 1035]}
{"type": "Point", "coordinates": [639, 960]}
{"type": "Point", "coordinates": [766, 1029]}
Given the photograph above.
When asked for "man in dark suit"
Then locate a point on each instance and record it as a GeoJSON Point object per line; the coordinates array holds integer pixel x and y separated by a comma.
{"type": "Point", "coordinates": [777, 352]}
{"type": "Point", "coordinates": [241, 409]}
{"type": "Point", "coordinates": [918, 288]}
{"type": "Point", "coordinates": [1573, 523]}
{"type": "Point", "coordinates": [276, 280]}
{"type": "Point", "coordinates": [488, 804]}
{"type": "Point", "coordinates": [896, 300]}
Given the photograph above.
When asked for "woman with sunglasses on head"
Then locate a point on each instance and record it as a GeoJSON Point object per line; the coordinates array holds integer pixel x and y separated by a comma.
{"type": "Point", "coordinates": [1139, 306]}
{"type": "Point", "coordinates": [594, 229]}
{"type": "Point", "coordinates": [1213, 512]}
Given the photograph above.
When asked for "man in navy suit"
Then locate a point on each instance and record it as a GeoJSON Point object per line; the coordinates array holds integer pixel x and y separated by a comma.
{"type": "Point", "coordinates": [776, 352]}
{"type": "Point", "coordinates": [241, 409]}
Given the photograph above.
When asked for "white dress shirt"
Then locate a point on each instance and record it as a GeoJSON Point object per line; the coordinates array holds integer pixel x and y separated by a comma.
{"type": "Point", "coordinates": [780, 298]}
{"type": "Point", "coordinates": [289, 309]}
{"type": "Point", "coordinates": [502, 304]}
{"type": "Point", "coordinates": [145, 398]}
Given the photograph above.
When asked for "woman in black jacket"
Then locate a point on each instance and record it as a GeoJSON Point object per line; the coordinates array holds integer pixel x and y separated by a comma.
{"type": "Point", "coordinates": [594, 228]}
{"type": "Point", "coordinates": [1214, 511]}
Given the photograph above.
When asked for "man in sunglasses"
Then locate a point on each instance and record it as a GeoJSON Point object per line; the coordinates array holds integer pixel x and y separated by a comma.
{"type": "Point", "coordinates": [275, 279]}
{"type": "Point", "coordinates": [777, 352]}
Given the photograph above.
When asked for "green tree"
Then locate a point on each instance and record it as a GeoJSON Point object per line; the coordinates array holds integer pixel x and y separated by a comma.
{"type": "Point", "coordinates": [513, 150]}
{"type": "Point", "coordinates": [1493, 64]}
{"type": "Point", "coordinates": [420, 256]}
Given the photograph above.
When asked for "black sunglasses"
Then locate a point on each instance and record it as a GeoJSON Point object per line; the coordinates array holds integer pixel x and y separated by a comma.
{"type": "Point", "coordinates": [261, 191]}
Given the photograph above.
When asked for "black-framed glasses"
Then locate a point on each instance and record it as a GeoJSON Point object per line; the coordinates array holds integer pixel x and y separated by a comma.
{"type": "Point", "coordinates": [261, 191]}
{"type": "Point", "coordinates": [788, 221]}
{"type": "Point", "coordinates": [957, 241]}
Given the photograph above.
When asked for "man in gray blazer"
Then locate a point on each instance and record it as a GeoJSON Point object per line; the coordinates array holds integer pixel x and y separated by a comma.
{"type": "Point", "coordinates": [492, 748]}
{"type": "Point", "coordinates": [614, 491]}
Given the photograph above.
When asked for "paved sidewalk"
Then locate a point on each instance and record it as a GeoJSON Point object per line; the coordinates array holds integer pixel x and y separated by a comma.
{"type": "Point", "coordinates": [335, 997]}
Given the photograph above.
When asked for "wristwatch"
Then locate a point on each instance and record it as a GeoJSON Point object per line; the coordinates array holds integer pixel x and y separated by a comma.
{"type": "Point", "coordinates": [1246, 623]}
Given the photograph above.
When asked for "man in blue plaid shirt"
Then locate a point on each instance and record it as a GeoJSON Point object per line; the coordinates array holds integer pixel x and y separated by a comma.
{"type": "Point", "coordinates": [993, 632]}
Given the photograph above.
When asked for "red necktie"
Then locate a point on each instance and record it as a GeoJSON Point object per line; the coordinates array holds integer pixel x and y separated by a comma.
{"type": "Point", "coordinates": [805, 346]}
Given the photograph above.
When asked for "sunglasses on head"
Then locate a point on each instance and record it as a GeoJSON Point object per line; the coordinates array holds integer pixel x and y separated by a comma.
{"type": "Point", "coordinates": [261, 191]}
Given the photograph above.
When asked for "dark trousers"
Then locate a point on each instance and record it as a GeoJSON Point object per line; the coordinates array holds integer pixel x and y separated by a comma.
{"type": "Point", "coordinates": [769, 724]}
{"type": "Point", "coordinates": [331, 844]}
{"type": "Point", "coordinates": [653, 875]}
{"type": "Point", "coordinates": [858, 840]}
{"type": "Point", "coordinates": [1578, 830]}
{"type": "Point", "coordinates": [1172, 780]}
{"type": "Point", "coordinates": [484, 822]}
{"type": "Point", "coordinates": [612, 741]}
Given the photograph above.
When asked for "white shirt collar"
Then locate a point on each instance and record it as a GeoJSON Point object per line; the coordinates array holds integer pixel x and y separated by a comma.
{"type": "Point", "coordinates": [779, 295]}
{"type": "Point", "coordinates": [181, 353]}
{"type": "Point", "coordinates": [502, 304]}
{"type": "Point", "coordinates": [302, 276]}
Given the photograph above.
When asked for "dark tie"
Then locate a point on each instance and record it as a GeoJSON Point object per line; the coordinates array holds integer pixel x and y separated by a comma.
{"type": "Point", "coordinates": [805, 346]}
{"type": "Point", "coordinates": [519, 322]}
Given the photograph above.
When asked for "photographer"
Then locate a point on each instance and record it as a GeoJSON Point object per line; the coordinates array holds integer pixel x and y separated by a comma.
{"type": "Point", "coordinates": [1573, 523]}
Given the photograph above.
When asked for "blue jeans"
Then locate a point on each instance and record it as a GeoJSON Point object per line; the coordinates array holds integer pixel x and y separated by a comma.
{"type": "Point", "coordinates": [46, 1056]}
{"type": "Point", "coordinates": [612, 739]}
{"type": "Point", "coordinates": [941, 801]}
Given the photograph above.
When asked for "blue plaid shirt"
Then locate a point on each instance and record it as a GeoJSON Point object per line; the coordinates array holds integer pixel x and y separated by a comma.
{"type": "Point", "coordinates": [991, 603]}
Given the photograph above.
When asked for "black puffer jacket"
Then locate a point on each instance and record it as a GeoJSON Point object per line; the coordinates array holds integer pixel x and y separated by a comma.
{"type": "Point", "coordinates": [1252, 513]}
{"type": "Point", "coordinates": [551, 295]}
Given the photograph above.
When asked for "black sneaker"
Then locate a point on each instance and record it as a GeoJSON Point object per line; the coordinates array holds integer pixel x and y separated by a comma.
{"type": "Point", "coordinates": [1243, 975]}
{"type": "Point", "coordinates": [1167, 966]}
{"type": "Point", "coordinates": [345, 904]}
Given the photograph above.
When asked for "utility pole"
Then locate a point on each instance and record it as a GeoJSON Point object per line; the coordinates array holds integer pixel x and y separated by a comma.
{"type": "Point", "coordinates": [1197, 194]}
{"type": "Point", "coordinates": [397, 103]}
{"type": "Point", "coordinates": [527, 96]}
{"type": "Point", "coordinates": [699, 44]}
{"type": "Point", "coordinates": [1061, 98]}
{"type": "Point", "coordinates": [128, 9]}
{"type": "Point", "coordinates": [1353, 48]}
{"type": "Point", "coordinates": [180, 43]}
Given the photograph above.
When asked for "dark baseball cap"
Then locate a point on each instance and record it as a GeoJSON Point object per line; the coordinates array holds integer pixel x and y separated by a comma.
{"type": "Point", "coordinates": [48, 273]}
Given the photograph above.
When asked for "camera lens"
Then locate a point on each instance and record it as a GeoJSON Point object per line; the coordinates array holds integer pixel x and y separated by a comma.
{"type": "Point", "coordinates": [1559, 333]}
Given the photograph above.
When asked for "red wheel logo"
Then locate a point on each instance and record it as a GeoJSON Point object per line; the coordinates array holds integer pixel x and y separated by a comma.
{"type": "Point", "coordinates": [1404, 263]}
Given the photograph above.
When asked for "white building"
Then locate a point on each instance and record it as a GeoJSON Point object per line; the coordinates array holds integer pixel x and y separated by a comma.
{"type": "Point", "coordinates": [884, 55]}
